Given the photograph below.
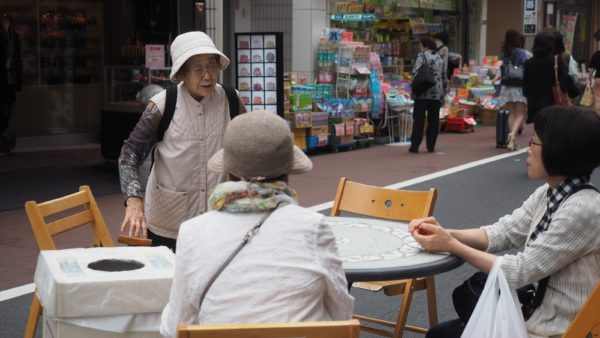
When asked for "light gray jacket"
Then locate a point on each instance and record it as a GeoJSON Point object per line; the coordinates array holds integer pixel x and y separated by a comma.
{"type": "Point", "coordinates": [568, 252]}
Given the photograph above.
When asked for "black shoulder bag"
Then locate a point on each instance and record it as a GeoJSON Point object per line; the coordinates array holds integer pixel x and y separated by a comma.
{"type": "Point", "coordinates": [465, 296]}
{"type": "Point", "coordinates": [424, 79]}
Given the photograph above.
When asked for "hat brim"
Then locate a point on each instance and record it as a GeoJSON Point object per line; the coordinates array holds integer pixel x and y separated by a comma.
{"type": "Point", "coordinates": [223, 60]}
{"type": "Point", "coordinates": [301, 163]}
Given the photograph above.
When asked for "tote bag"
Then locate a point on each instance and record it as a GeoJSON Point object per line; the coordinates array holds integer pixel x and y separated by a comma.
{"type": "Point", "coordinates": [424, 79]}
{"type": "Point", "coordinates": [498, 312]}
{"type": "Point", "coordinates": [560, 98]}
{"type": "Point", "coordinates": [587, 99]}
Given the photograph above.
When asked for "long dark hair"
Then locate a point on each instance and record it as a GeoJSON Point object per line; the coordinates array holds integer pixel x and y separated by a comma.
{"type": "Point", "coordinates": [559, 44]}
{"type": "Point", "coordinates": [512, 39]}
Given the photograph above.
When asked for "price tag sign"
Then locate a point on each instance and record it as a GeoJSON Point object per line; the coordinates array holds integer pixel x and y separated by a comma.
{"type": "Point", "coordinates": [155, 56]}
{"type": "Point", "coordinates": [462, 93]}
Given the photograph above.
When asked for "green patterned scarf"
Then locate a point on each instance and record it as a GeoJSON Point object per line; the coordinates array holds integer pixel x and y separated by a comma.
{"type": "Point", "coordinates": [242, 196]}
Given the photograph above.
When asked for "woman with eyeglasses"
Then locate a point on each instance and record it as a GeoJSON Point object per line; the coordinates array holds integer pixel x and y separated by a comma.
{"type": "Point", "coordinates": [556, 230]}
{"type": "Point", "coordinates": [179, 183]}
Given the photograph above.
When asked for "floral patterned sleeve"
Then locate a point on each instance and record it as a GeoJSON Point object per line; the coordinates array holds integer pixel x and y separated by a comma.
{"type": "Point", "coordinates": [135, 149]}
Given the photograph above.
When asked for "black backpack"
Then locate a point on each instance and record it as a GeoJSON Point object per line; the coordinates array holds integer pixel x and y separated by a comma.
{"type": "Point", "coordinates": [167, 116]}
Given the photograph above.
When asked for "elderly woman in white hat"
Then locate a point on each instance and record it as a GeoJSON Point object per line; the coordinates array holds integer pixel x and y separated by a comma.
{"type": "Point", "coordinates": [289, 270]}
{"type": "Point", "coordinates": [179, 184]}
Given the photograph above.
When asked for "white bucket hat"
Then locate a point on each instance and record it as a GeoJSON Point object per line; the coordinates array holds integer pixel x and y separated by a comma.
{"type": "Point", "coordinates": [189, 44]}
{"type": "Point", "coordinates": [259, 145]}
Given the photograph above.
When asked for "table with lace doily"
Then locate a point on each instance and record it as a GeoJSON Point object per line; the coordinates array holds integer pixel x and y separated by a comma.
{"type": "Point", "coordinates": [376, 250]}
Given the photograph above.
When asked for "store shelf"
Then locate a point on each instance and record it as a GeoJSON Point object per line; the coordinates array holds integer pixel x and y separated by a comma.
{"type": "Point", "coordinates": [354, 17]}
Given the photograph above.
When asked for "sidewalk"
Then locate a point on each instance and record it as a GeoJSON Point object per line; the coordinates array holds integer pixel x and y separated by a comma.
{"type": "Point", "coordinates": [377, 165]}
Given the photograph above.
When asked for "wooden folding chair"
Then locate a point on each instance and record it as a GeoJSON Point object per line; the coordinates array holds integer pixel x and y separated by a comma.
{"type": "Point", "coordinates": [82, 209]}
{"type": "Point", "coordinates": [588, 319]}
{"type": "Point", "coordinates": [326, 329]}
{"type": "Point", "coordinates": [399, 205]}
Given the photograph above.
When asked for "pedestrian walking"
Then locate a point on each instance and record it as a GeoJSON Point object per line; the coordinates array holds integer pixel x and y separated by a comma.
{"type": "Point", "coordinates": [511, 91]}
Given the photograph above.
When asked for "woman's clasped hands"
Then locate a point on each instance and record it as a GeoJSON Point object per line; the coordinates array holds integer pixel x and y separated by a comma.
{"type": "Point", "coordinates": [431, 235]}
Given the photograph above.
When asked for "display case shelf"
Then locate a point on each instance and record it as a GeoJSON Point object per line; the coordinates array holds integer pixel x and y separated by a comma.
{"type": "Point", "coordinates": [124, 82]}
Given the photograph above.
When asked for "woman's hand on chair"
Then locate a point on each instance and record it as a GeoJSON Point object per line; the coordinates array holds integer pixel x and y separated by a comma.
{"type": "Point", "coordinates": [134, 217]}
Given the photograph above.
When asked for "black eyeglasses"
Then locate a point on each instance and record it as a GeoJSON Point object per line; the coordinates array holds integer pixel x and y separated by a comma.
{"type": "Point", "coordinates": [532, 142]}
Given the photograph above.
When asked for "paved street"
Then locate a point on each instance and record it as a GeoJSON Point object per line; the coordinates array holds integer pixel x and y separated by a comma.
{"type": "Point", "coordinates": [477, 183]}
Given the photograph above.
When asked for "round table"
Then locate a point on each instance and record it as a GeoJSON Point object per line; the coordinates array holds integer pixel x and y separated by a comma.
{"type": "Point", "coordinates": [376, 250]}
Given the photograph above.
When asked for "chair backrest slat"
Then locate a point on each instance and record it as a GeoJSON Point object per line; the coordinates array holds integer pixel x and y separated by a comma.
{"type": "Point", "coordinates": [63, 203]}
{"type": "Point", "coordinates": [70, 222]}
{"type": "Point", "coordinates": [325, 329]}
{"type": "Point", "coordinates": [90, 214]}
{"type": "Point", "coordinates": [588, 318]}
{"type": "Point", "coordinates": [367, 200]}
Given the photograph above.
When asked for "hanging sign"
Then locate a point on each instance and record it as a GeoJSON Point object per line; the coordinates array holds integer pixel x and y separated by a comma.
{"type": "Point", "coordinates": [530, 17]}
{"type": "Point", "coordinates": [567, 28]}
{"type": "Point", "coordinates": [155, 56]}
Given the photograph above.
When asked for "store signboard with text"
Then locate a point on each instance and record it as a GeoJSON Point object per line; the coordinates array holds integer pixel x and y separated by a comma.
{"type": "Point", "coordinates": [259, 70]}
{"type": "Point", "coordinates": [530, 17]}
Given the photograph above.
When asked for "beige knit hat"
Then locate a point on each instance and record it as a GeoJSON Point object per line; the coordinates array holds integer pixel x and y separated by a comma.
{"type": "Point", "coordinates": [259, 145]}
{"type": "Point", "coordinates": [189, 44]}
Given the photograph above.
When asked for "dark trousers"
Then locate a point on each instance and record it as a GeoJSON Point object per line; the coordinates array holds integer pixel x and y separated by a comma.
{"type": "Point", "coordinates": [450, 329]}
{"type": "Point", "coordinates": [432, 109]}
{"type": "Point", "coordinates": [162, 241]}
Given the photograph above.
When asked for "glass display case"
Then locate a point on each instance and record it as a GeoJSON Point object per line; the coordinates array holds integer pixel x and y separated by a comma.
{"type": "Point", "coordinates": [121, 108]}
{"type": "Point", "coordinates": [124, 82]}
{"type": "Point", "coordinates": [61, 42]}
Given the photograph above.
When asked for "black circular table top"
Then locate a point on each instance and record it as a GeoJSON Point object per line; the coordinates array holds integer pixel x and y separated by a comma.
{"type": "Point", "coordinates": [376, 250]}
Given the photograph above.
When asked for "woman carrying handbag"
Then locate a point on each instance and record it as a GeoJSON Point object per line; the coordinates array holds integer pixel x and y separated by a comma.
{"type": "Point", "coordinates": [556, 230]}
{"type": "Point", "coordinates": [539, 75]}
{"type": "Point", "coordinates": [429, 81]}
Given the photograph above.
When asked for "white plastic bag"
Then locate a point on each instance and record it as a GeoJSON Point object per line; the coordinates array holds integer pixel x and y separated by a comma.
{"type": "Point", "coordinates": [498, 311]}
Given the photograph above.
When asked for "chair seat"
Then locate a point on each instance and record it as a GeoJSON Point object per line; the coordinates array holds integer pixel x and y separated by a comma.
{"type": "Point", "coordinates": [392, 287]}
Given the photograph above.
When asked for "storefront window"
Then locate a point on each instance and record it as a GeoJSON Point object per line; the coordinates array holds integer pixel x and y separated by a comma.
{"type": "Point", "coordinates": [65, 54]}
{"type": "Point", "coordinates": [70, 42]}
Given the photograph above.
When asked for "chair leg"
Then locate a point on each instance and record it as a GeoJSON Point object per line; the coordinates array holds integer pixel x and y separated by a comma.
{"type": "Point", "coordinates": [404, 308]}
{"type": "Point", "coordinates": [431, 301]}
{"type": "Point", "coordinates": [35, 311]}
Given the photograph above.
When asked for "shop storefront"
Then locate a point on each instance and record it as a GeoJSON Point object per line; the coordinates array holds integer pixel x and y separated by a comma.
{"type": "Point", "coordinates": [82, 56]}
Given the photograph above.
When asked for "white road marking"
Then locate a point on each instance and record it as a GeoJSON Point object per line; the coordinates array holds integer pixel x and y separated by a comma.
{"type": "Point", "coordinates": [29, 288]}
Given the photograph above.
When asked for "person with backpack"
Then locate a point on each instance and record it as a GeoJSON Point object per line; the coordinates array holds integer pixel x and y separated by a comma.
{"type": "Point", "coordinates": [553, 236]}
{"type": "Point", "coordinates": [428, 98]}
{"type": "Point", "coordinates": [511, 91]}
{"type": "Point", "coordinates": [181, 127]}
